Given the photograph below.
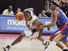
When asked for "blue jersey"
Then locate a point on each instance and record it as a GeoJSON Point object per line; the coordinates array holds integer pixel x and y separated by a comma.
{"type": "Point", "coordinates": [62, 18]}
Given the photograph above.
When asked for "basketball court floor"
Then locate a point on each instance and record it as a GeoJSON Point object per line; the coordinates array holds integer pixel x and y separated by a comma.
{"type": "Point", "coordinates": [25, 44]}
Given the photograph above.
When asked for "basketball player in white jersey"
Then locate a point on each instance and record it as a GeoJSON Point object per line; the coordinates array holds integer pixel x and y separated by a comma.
{"type": "Point", "coordinates": [34, 29]}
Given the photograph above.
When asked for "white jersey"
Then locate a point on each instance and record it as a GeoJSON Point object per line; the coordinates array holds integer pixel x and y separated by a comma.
{"type": "Point", "coordinates": [34, 17]}
{"type": "Point", "coordinates": [32, 20]}
{"type": "Point", "coordinates": [29, 32]}
{"type": "Point", "coordinates": [29, 23]}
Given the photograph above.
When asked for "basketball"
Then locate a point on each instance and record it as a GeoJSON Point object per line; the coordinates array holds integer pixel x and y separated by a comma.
{"type": "Point", "coordinates": [20, 16]}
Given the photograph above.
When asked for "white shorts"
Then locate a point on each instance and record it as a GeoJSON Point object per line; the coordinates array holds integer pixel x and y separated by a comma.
{"type": "Point", "coordinates": [28, 33]}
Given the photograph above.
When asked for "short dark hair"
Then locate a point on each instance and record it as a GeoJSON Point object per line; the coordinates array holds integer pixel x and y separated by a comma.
{"type": "Point", "coordinates": [27, 12]}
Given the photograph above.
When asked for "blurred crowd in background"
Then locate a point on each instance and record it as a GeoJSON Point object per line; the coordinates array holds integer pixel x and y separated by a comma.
{"type": "Point", "coordinates": [46, 12]}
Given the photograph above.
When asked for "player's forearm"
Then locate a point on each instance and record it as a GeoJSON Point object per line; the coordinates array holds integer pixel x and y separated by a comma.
{"type": "Point", "coordinates": [49, 25]}
{"type": "Point", "coordinates": [39, 28]}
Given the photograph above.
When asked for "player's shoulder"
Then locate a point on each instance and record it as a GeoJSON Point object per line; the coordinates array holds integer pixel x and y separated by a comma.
{"type": "Point", "coordinates": [5, 10]}
{"type": "Point", "coordinates": [35, 17]}
{"type": "Point", "coordinates": [56, 12]}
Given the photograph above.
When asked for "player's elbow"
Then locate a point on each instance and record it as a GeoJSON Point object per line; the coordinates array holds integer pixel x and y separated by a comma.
{"type": "Point", "coordinates": [40, 27]}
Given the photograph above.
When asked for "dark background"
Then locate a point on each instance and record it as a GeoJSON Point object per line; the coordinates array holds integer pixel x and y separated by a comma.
{"type": "Point", "coordinates": [38, 5]}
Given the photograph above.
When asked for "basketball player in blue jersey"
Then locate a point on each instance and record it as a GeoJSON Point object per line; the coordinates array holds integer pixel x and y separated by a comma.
{"type": "Point", "coordinates": [60, 19]}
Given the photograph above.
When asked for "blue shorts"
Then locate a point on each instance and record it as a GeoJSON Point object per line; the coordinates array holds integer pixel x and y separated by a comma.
{"type": "Point", "coordinates": [65, 39]}
{"type": "Point", "coordinates": [65, 33]}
